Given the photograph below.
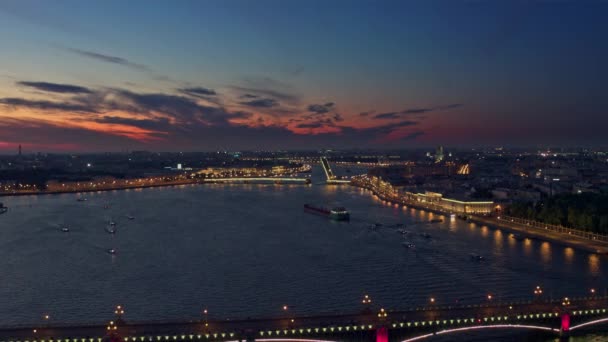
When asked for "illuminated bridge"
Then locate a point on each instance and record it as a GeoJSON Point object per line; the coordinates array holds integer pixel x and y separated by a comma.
{"type": "Point", "coordinates": [329, 173]}
{"type": "Point", "coordinates": [550, 317]}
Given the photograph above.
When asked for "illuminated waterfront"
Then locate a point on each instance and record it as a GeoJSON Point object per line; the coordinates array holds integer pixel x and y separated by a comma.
{"type": "Point", "coordinates": [247, 250]}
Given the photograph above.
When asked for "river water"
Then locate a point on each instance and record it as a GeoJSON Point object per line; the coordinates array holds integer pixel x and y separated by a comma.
{"type": "Point", "coordinates": [247, 250]}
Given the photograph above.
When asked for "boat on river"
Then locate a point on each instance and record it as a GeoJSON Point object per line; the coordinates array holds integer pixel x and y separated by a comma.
{"type": "Point", "coordinates": [336, 213]}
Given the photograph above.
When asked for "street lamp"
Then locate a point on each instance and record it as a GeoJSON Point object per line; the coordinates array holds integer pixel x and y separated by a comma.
{"type": "Point", "coordinates": [206, 314]}
{"type": "Point", "coordinates": [111, 326]}
{"type": "Point", "coordinates": [592, 292]}
{"type": "Point", "coordinates": [382, 313]}
{"type": "Point", "coordinates": [566, 301]}
{"type": "Point", "coordinates": [538, 291]}
{"type": "Point", "coordinates": [489, 296]}
{"type": "Point", "coordinates": [119, 311]}
{"type": "Point", "coordinates": [432, 300]}
{"type": "Point", "coordinates": [366, 299]}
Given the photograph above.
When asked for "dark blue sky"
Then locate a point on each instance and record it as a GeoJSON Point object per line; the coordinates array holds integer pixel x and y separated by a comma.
{"type": "Point", "coordinates": [198, 75]}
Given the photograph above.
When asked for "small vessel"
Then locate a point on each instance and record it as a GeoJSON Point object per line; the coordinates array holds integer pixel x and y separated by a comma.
{"type": "Point", "coordinates": [425, 235]}
{"type": "Point", "coordinates": [336, 213]}
{"type": "Point", "coordinates": [111, 230]}
{"type": "Point", "coordinates": [111, 251]}
{"type": "Point", "coordinates": [408, 245]}
{"type": "Point", "coordinates": [436, 221]}
{"type": "Point", "coordinates": [3, 209]}
{"type": "Point", "coordinates": [130, 217]}
{"type": "Point", "coordinates": [81, 199]}
{"type": "Point", "coordinates": [517, 237]}
{"type": "Point", "coordinates": [65, 228]}
{"type": "Point", "coordinates": [112, 223]}
{"type": "Point", "coordinates": [403, 231]}
{"type": "Point", "coordinates": [477, 257]}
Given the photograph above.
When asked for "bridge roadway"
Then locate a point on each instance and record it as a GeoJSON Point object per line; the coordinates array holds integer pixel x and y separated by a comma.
{"type": "Point", "coordinates": [401, 325]}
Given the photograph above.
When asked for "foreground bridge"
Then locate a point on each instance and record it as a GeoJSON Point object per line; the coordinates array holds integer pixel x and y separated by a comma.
{"type": "Point", "coordinates": [558, 318]}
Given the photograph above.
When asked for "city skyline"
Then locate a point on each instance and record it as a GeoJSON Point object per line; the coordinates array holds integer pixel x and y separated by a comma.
{"type": "Point", "coordinates": [234, 75]}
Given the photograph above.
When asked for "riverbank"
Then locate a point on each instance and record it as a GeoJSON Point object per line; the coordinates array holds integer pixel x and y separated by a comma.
{"type": "Point", "coordinates": [586, 245]}
{"type": "Point", "coordinates": [558, 238]}
{"type": "Point", "coordinates": [144, 186]}
{"type": "Point", "coordinates": [116, 188]}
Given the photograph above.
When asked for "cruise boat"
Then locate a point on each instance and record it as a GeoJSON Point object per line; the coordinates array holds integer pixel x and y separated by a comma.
{"type": "Point", "coordinates": [3, 209]}
{"type": "Point", "coordinates": [336, 213]}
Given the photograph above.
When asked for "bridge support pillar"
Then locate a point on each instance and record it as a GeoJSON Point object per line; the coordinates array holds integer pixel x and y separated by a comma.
{"type": "Point", "coordinates": [247, 336]}
{"type": "Point", "coordinates": [564, 330]}
{"type": "Point", "coordinates": [382, 334]}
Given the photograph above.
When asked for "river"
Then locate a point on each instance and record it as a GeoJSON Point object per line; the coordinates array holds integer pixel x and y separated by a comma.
{"type": "Point", "coordinates": [246, 250]}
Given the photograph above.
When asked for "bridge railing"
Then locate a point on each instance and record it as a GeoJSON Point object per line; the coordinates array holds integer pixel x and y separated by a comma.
{"type": "Point", "coordinates": [329, 316]}
{"type": "Point", "coordinates": [555, 228]}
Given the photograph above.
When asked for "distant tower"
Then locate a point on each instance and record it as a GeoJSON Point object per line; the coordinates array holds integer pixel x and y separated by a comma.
{"type": "Point", "coordinates": [19, 150]}
{"type": "Point", "coordinates": [439, 154]}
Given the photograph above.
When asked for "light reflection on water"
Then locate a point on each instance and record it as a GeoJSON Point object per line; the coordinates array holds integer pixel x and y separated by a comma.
{"type": "Point", "coordinates": [594, 264]}
{"type": "Point", "coordinates": [545, 252]}
{"type": "Point", "coordinates": [568, 255]}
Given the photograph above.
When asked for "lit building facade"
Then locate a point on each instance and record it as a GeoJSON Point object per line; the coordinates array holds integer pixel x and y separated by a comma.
{"type": "Point", "coordinates": [436, 200]}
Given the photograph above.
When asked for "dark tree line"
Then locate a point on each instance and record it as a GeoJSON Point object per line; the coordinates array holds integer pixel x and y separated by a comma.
{"type": "Point", "coordinates": [583, 211]}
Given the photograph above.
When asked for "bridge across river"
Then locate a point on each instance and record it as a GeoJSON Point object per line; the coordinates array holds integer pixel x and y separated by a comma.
{"type": "Point", "coordinates": [551, 317]}
{"type": "Point", "coordinates": [330, 176]}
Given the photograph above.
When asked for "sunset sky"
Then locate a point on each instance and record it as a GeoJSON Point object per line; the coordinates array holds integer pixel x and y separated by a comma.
{"type": "Point", "coordinates": [258, 74]}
